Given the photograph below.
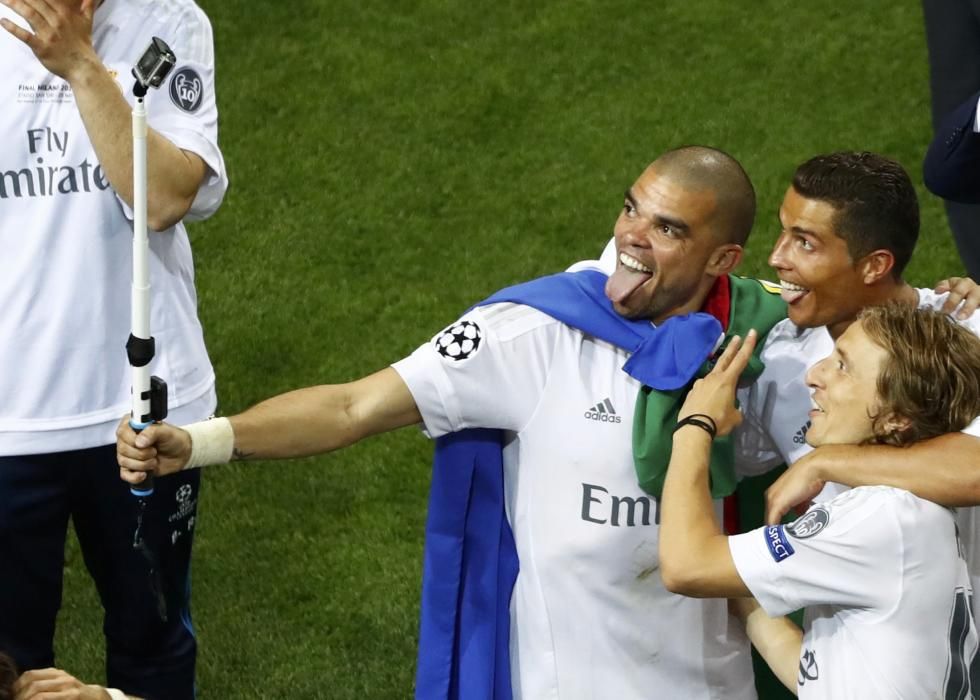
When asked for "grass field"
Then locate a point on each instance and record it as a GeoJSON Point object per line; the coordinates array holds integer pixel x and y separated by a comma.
{"type": "Point", "coordinates": [393, 162]}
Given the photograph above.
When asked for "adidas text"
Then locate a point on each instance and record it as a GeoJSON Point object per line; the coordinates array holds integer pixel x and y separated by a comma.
{"type": "Point", "coordinates": [602, 417]}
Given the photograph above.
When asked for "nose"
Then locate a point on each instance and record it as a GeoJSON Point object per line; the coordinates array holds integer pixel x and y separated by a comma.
{"type": "Point", "coordinates": [778, 258]}
{"type": "Point", "coordinates": [814, 375]}
{"type": "Point", "coordinates": [629, 232]}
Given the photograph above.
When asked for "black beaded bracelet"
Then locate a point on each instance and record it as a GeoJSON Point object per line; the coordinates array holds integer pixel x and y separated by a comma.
{"type": "Point", "coordinates": [703, 421]}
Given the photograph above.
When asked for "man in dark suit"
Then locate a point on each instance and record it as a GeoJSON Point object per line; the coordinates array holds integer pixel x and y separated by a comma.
{"type": "Point", "coordinates": [953, 38]}
{"type": "Point", "coordinates": [952, 165]}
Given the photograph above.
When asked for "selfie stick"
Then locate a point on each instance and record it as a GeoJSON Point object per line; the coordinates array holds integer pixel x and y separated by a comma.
{"type": "Point", "coordinates": [149, 394]}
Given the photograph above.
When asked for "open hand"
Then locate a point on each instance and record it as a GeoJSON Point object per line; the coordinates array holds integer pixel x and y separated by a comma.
{"type": "Point", "coordinates": [62, 32]}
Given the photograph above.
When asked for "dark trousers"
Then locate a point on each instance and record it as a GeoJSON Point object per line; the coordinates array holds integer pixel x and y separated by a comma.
{"type": "Point", "coordinates": [145, 591]}
{"type": "Point", "coordinates": [953, 38]}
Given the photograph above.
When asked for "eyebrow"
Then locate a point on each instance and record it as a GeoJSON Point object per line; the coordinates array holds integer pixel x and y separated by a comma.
{"type": "Point", "coordinates": [659, 218]}
{"type": "Point", "coordinates": [796, 229]}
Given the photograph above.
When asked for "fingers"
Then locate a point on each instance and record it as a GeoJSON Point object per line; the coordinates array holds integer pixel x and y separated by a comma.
{"type": "Point", "coordinates": [737, 355]}
{"type": "Point", "coordinates": [18, 31]}
{"type": "Point", "coordinates": [133, 459]}
{"type": "Point", "coordinates": [776, 510]}
{"type": "Point", "coordinates": [963, 293]}
{"type": "Point", "coordinates": [38, 13]}
{"type": "Point", "coordinates": [44, 683]}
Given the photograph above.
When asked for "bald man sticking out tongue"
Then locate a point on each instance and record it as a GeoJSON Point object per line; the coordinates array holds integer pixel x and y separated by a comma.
{"type": "Point", "coordinates": [533, 395]}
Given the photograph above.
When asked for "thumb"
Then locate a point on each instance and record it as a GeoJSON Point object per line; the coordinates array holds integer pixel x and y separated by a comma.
{"type": "Point", "coordinates": [149, 436]}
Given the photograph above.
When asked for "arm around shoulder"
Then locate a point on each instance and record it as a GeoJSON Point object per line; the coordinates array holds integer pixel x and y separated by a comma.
{"type": "Point", "coordinates": [945, 469]}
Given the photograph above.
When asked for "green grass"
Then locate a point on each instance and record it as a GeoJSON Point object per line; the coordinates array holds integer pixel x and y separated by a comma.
{"type": "Point", "coordinates": [391, 163]}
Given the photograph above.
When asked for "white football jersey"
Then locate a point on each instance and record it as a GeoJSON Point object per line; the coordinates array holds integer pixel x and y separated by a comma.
{"type": "Point", "coordinates": [66, 267]}
{"type": "Point", "coordinates": [887, 596]}
{"type": "Point", "coordinates": [590, 616]}
{"type": "Point", "coordinates": [776, 411]}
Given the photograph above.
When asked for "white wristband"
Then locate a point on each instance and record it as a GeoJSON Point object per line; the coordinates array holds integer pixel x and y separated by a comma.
{"type": "Point", "coordinates": [116, 694]}
{"type": "Point", "coordinates": [212, 442]}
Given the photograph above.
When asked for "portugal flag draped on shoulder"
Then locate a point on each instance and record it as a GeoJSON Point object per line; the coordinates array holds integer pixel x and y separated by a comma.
{"type": "Point", "coordinates": [471, 562]}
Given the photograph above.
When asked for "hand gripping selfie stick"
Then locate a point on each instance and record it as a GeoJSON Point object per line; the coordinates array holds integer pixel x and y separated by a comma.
{"type": "Point", "coordinates": [149, 394]}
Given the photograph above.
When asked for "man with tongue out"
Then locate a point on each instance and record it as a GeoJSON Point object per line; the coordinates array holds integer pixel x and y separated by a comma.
{"type": "Point", "coordinates": [552, 487]}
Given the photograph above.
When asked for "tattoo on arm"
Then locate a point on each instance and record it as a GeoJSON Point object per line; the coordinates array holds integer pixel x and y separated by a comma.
{"type": "Point", "coordinates": [238, 455]}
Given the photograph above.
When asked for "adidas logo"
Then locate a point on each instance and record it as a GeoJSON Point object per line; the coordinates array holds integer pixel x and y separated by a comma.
{"type": "Point", "coordinates": [603, 412]}
{"type": "Point", "coordinates": [800, 436]}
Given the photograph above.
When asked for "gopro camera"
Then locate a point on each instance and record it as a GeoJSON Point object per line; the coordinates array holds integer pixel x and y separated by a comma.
{"type": "Point", "coordinates": [154, 65]}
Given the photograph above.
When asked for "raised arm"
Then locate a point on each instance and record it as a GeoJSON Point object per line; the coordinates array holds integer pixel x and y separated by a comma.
{"type": "Point", "coordinates": [298, 423]}
{"type": "Point", "coordinates": [694, 556]}
{"type": "Point", "coordinates": [62, 42]}
{"type": "Point", "coordinates": [945, 470]}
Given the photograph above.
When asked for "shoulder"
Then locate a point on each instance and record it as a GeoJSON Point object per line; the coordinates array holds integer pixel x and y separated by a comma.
{"type": "Point", "coordinates": [509, 321]}
{"type": "Point", "coordinates": [928, 299]}
{"type": "Point", "coordinates": [182, 20]}
{"type": "Point", "coordinates": [788, 339]}
{"type": "Point", "coordinates": [872, 508]}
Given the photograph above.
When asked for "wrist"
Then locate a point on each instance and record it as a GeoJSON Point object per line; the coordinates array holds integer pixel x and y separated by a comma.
{"type": "Point", "coordinates": [85, 70]}
{"type": "Point", "coordinates": [701, 421]}
{"type": "Point", "coordinates": [212, 442]}
{"type": "Point", "coordinates": [822, 462]}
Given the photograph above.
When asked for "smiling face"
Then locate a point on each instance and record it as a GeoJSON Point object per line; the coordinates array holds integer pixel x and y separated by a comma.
{"type": "Point", "coordinates": [668, 253]}
{"type": "Point", "coordinates": [845, 390]}
{"type": "Point", "coordinates": [822, 285]}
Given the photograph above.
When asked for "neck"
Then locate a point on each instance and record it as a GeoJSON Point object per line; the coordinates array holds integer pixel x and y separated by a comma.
{"type": "Point", "coordinates": [876, 295]}
{"type": "Point", "coordinates": [696, 303]}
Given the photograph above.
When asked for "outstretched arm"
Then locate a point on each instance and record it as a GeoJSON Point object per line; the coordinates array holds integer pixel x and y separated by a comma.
{"type": "Point", "coordinates": [694, 556]}
{"type": "Point", "coordinates": [777, 639]}
{"type": "Point", "coordinates": [945, 470]}
{"type": "Point", "coordinates": [295, 424]}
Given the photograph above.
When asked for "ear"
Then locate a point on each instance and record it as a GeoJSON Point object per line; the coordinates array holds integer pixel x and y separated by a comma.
{"type": "Point", "coordinates": [724, 259]}
{"type": "Point", "coordinates": [875, 266]}
{"type": "Point", "coordinates": [894, 424]}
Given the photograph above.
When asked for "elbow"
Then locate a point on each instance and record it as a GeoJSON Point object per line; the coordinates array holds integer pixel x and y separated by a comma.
{"type": "Point", "coordinates": [680, 576]}
{"type": "Point", "coordinates": [166, 212]}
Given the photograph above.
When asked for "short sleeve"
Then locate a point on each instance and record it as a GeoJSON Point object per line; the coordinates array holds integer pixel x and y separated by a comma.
{"type": "Point", "coordinates": [486, 370]}
{"type": "Point", "coordinates": [845, 552]}
{"type": "Point", "coordinates": [185, 109]}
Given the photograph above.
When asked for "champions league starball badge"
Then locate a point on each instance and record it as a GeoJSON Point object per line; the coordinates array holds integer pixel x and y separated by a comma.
{"type": "Point", "coordinates": [460, 341]}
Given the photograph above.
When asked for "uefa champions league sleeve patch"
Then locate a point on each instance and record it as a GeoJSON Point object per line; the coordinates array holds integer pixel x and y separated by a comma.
{"type": "Point", "coordinates": [187, 89]}
{"type": "Point", "coordinates": [460, 341]}
{"type": "Point", "coordinates": [810, 523]}
{"type": "Point", "coordinates": [779, 546]}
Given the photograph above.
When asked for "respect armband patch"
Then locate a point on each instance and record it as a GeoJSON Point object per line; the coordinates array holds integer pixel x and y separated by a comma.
{"type": "Point", "coordinates": [778, 543]}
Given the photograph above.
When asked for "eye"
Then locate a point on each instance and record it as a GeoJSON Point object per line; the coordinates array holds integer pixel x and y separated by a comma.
{"type": "Point", "coordinates": [804, 243]}
{"type": "Point", "coordinates": [666, 230]}
{"type": "Point", "coordinates": [840, 365]}
{"type": "Point", "coordinates": [629, 209]}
